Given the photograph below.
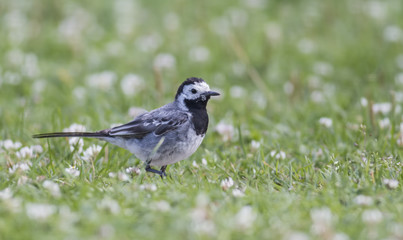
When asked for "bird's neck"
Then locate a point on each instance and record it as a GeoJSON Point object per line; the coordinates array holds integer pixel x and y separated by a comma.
{"type": "Point", "coordinates": [199, 115]}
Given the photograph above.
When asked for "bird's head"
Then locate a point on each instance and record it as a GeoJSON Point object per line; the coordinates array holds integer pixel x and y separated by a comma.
{"type": "Point", "coordinates": [194, 93]}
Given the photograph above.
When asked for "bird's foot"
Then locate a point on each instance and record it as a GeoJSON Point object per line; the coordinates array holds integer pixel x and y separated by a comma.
{"type": "Point", "coordinates": [161, 172]}
{"type": "Point", "coordinates": [163, 168]}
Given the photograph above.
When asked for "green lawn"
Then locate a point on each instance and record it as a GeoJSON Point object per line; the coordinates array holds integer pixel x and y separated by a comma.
{"type": "Point", "coordinates": [304, 143]}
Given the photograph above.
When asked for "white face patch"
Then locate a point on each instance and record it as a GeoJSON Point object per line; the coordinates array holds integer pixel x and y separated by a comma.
{"type": "Point", "coordinates": [193, 91]}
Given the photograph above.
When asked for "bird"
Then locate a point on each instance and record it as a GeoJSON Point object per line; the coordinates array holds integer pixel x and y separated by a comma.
{"type": "Point", "coordinates": [162, 136]}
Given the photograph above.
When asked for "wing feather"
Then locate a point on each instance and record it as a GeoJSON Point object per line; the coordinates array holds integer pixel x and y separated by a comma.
{"type": "Point", "coordinates": [157, 122]}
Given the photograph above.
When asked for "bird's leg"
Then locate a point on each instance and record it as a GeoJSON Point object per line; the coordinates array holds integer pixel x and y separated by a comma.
{"type": "Point", "coordinates": [163, 168]}
{"type": "Point", "coordinates": [149, 169]}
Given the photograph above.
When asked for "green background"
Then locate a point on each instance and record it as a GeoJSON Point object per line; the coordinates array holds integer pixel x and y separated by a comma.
{"type": "Point", "coordinates": [281, 66]}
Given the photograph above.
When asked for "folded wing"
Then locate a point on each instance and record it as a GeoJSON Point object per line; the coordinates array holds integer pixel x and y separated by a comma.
{"type": "Point", "coordinates": [156, 122]}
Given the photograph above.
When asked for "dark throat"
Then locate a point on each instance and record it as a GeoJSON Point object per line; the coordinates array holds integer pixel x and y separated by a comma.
{"type": "Point", "coordinates": [199, 115]}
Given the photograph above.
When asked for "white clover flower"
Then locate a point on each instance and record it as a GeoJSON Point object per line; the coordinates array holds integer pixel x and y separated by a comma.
{"type": "Point", "coordinates": [392, 33]}
{"type": "Point", "coordinates": [376, 9]}
{"type": "Point", "coordinates": [383, 108]}
{"type": "Point", "coordinates": [125, 12]}
{"type": "Point", "coordinates": [323, 68]}
{"type": "Point", "coordinates": [30, 66]}
{"type": "Point", "coordinates": [321, 219]}
{"type": "Point", "coordinates": [112, 174]}
{"type": "Point", "coordinates": [76, 144]}
{"type": "Point", "coordinates": [52, 187]}
{"type": "Point", "coordinates": [391, 183]}
{"type": "Point", "coordinates": [372, 216]}
{"type": "Point", "coordinates": [288, 88]}
{"type": "Point", "coordinates": [238, 17]}
{"type": "Point", "coordinates": [110, 205]}
{"type": "Point", "coordinates": [306, 46]}
{"type": "Point", "coordinates": [6, 194]}
{"type": "Point", "coordinates": [164, 61]}
{"type": "Point", "coordinates": [150, 187]}
{"type": "Point", "coordinates": [237, 193]}
{"type": "Point", "coordinates": [315, 81]}
{"type": "Point", "coordinates": [363, 200]}
{"type": "Point", "coordinates": [37, 211]}
{"type": "Point", "coordinates": [133, 170]}
{"type": "Point", "coordinates": [24, 153]}
{"type": "Point", "coordinates": [399, 61]}
{"type": "Point", "coordinates": [399, 78]}
{"type": "Point", "coordinates": [68, 218]}
{"type": "Point", "coordinates": [10, 145]}
{"type": "Point", "coordinates": [384, 123]}
{"type": "Point", "coordinates": [226, 131]}
{"type": "Point", "coordinates": [273, 31]}
{"type": "Point", "coordinates": [75, 128]}
{"type": "Point", "coordinates": [194, 164]}
{"type": "Point", "coordinates": [245, 218]}
{"type": "Point", "coordinates": [107, 231]}
{"type": "Point", "coordinates": [149, 43]}
{"type": "Point", "coordinates": [340, 236]}
{"type": "Point", "coordinates": [15, 57]}
{"type": "Point", "coordinates": [259, 99]}
{"type": "Point", "coordinates": [399, 99]}
{"type": "Point", "coordinates": [123, 177]}
{"type": "Point", "coordinates": [237, 92]}
{"type": "Point", "coordinates": [327, 122]}
{"type": "Point", "coordinates": [220, 26]}
{"type": "Point", "coordinates": [239, 69]}
{"type": "Point", "coordinates": [72, 26]}
{"type": "Point", "coordinates": [255, 145]}
{"type": "Point", "coordinates": [199, 54]}
{"type": "Point", "coordinates": [256, 4]}
{"type": "Point", "coordinates": [171, 21]}
{"type": "Point", "coordinates": [80, 93]}
{"type": "Point", "coordinates": [132, 84]}
{"type": "Point", "coordinates": [227, 183]}
{"type": "Point", "coordinates": [321, 215]}
{"type": "Point", "coordinates": [91, 153]}
{"type": "Point", "coordinates": [103, 80]}
{"type": "Point", "coordinates": [204, 161]}
{"type": "Point", "coordinates": [22, 166]}
{"type": "Point", "coordinates": [16, 22]}
{"type": "Point", "coordinates": [162, 206]}
{"type": "Point", "coordinates": [23, 180]}
{"type": "Point", "coordinates": [37, 148]}
{"type": "Point", "coordinates": [364, 102]}
{"type": "Point", "coordinates": [115, 48]}
{"type": "Point", "coordinates": [278, 154]}
{"type": "Point", "coordinates": [12, 78]}
{"type": "Point", "coordinates": [317, 96]}
{"type": "Point", "coordinates": [72, 171]}
{"type": "Point", "coordinates": [398, 108]}
{"type": "Point", "coordinates": [297, 236]}
{"type": "Point", "coordinates": [201, 222]}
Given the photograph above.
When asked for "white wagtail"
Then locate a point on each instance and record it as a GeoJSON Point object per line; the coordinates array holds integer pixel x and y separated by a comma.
{"type": "Point", "coordinates": [165, 135]}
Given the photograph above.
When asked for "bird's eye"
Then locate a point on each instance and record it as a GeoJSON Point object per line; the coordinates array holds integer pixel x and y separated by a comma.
{"type": "Point", "coordinates": [194, 91]}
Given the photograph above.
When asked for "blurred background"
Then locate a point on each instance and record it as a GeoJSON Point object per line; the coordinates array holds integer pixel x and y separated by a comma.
{"type": "Point", "coordinates": [305, 139]}
{"type": "Point", "coordinates": [91, 62]}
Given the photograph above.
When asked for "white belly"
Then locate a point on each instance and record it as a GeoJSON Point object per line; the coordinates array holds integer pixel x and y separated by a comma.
{"type": "Point", "coordinates": [169, 152]}
{"type": "Point", "coordinates": [179, 152]}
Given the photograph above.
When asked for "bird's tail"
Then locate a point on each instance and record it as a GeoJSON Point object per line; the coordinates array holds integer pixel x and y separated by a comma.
{"type": "Point", "coordinates": [71, 134]}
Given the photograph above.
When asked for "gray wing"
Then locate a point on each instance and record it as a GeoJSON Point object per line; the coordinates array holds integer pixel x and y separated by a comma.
{"type": "Point", "coordinates": [158, 122]}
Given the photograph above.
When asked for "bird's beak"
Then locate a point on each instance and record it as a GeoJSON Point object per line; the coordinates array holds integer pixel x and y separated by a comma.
{"type": "Point", "coordinates": [211, 93]}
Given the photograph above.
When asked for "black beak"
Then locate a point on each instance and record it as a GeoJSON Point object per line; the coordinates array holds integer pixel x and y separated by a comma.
{"type": "Point", "coordinates": [211, 93]}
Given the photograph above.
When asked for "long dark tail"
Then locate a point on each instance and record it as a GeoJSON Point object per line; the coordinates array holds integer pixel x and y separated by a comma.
{"type": "Point", "coordinates": [71, 134]}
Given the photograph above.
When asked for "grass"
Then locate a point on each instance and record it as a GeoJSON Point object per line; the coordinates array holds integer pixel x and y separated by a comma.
{"type": "Point", "coordinates": [308, 127]}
